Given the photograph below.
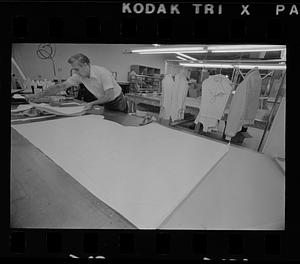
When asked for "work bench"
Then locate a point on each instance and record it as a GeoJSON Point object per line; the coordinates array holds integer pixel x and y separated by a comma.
{"type": "Point", "coordinates": [245, 190]}
{"type": "Point", "coordinates": [192, 104]}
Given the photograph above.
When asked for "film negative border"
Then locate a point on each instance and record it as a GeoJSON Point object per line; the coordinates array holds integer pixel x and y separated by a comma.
{"type": "Point", "coordinates": [159, 244]}
{"type": "Point", "coordinates": [130, 29]}
{"type": "Point", "coordinates": [164, 29]}
{"type": "Point", "coordinates": [36, 22]}
{"type": "Point", "coordinates": [265, 23]}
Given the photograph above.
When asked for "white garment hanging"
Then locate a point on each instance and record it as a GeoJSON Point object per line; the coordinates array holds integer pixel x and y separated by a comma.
{"type": "Point", "coordinates": [167, 85]}
{"type": "Point", "coordinates": [179, 94]}
{"type": "Point", "coordinates": [244, 104]}
{"type": "Point", "coordinates": [215, 92]}
{"type": "Point", "coordinates": [174, 93]}
{"type": "Point", "coordinates": [253, 94]}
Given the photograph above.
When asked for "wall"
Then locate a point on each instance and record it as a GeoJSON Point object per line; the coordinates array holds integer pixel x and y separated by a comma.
{"type": "Point", "coordinates": [108, 55]}
{"type": "Point", "coordinates": [173, 68]}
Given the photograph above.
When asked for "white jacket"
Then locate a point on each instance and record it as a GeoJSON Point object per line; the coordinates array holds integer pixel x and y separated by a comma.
{"type": "Point", "coordinates": [244, 104]}
{"type": "Point", "coordinates": [215, 93]}
{"type": "Point", "coordinates": [166, 101]}
{"type": "Point", "coordinates": [174, 94]}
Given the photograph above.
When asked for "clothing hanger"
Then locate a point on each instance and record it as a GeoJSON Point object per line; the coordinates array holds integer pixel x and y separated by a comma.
{"type": "Point", "coordinates": [173, 72]}
{"type": "Point", "coordinates": [269, 74]}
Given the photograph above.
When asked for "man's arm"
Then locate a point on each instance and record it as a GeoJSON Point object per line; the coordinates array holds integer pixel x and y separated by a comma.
{"type": "Point", "coordinates": [107, 97]}
{"type": "Point", "coordinates": [51, 90]}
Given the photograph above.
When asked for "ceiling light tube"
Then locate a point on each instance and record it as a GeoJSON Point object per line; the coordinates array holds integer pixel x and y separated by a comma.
{"type": "Point", "coordinates": [206, 65]}
{"type": "Point", "coordinates": [186, 56]}
{"type": "Point", "coordinates": [240, 62]}
{"type": "Point", "coordinates": [245, 50]}
{"type": "Point", "coordinates": [170, 52]}
{"type": "Point", "coordinates": [181, 58]}
{"type": "Point", "coordinates": [169, 49]}
{"type": "Point", "coordinates": [262, 67]}
{"type": "Point", "coordinates": [241, 66]}
{"type": "Point", "coordinates": [191, 51]}
{"type": "Point", "coordinates": [245, 47]}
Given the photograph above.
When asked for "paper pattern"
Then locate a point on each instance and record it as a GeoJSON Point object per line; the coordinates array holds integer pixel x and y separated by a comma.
{"type": "Point", "coordinates": [63, 111]}
{"type": "Point", "coordinates": [21, 108]}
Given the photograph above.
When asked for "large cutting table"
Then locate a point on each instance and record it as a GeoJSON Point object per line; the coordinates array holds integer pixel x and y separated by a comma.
{"type": "Point", "coordinates": [244, 190]}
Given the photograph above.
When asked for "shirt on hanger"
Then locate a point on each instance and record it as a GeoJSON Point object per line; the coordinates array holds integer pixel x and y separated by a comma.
{"type": "Point", "coordinates": [167, 85]}
{"type": "Point", "coordinates": [244, 104]}
{"type": "Point", "coordinates": [174, 90]}
{"type": "Point", "coordinates": [179, 94]}
{"type": "Point", "coordinates": [215, 92]}
{"type": "Point", "coordinates": [252, 99]}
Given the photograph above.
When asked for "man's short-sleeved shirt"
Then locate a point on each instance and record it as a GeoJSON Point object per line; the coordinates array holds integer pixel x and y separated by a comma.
{"type": "Point", "coordinates": [100, 80]}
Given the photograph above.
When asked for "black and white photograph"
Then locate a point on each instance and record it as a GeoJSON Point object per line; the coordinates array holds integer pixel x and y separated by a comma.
{"type": "Point", "coordinates": [148, 136]}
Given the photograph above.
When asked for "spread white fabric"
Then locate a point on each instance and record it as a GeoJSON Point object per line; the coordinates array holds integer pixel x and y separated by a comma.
{"type": "Point", "coordinates": [143, 173]}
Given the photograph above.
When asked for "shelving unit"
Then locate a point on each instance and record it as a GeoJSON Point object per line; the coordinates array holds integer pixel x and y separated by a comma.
{"type": "Point", "coordinates": [144, 79]}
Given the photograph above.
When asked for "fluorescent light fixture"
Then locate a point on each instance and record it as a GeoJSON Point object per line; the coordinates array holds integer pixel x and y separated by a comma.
{"type": "Point", "coordinates": [275, 60]}
{"type": "Point", "coordinates": [207, 65]}
{"type": "Point", "coordinates": [195, 52]}
{"type": "Point", "coordinates": [244, 50]}
{"type": "Point", "coordinates": [179, 49]}
{"type": "Point", "coordinates": [170, 52]}
{"type": "Point", "coordinates": [246, 47]}
{"type": "Point", "coordinates": [214, 49]}
{"type": "Point", "coordinates": [262, 67]}
{"type": "Point", "coordinates": [186, 56]}
{"type": "Point", "coordinates": [241, 66]}
{"type": "Point", "coordinates": [181, 58]}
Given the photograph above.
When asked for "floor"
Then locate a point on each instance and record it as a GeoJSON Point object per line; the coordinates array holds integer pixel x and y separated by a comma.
{"type": "Point", "coordinates": [253, 142]}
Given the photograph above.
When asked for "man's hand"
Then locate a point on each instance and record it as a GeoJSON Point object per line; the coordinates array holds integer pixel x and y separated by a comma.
{"type": "Point", "coordinates": [32, 97]}
{"type": "Point", "coordinates": [50, 91]}
{"type": "Point", "coordinates": [88, 106]}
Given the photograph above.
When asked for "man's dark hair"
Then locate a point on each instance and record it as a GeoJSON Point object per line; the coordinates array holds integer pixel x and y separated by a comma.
{"type": "Point", "coordinates": [79, 57]}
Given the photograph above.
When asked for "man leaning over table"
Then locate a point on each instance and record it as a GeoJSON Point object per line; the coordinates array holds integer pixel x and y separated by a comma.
{"type": "Point", "coordinates": [98, 80]}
